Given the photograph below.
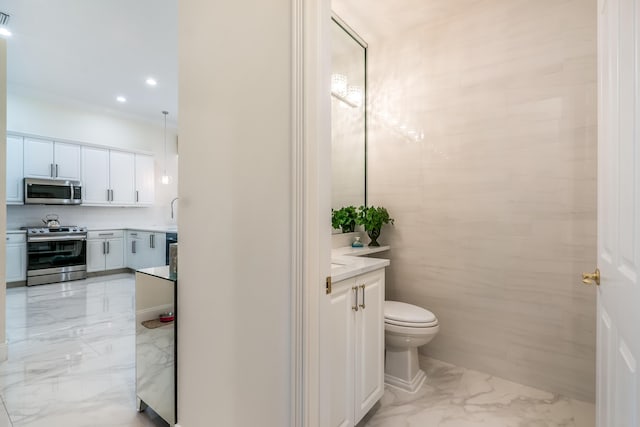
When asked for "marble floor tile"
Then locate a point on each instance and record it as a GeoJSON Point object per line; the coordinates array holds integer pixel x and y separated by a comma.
{"type": "Point", "coordinates": [458, 397]}
{"type": "Point", "coordinates": [72, 356]}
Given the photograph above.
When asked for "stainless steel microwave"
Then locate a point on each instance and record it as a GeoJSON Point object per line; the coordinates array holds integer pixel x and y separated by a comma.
{"type": "Point", "coordinates": [52, 192]}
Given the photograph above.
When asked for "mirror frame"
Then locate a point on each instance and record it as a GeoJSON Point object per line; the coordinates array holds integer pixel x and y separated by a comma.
{"type": "Point", "coordinates": [360, 41]}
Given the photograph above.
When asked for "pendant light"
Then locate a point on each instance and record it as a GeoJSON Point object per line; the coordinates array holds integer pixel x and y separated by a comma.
{"type": "Point", "coordinates": [165, 178]}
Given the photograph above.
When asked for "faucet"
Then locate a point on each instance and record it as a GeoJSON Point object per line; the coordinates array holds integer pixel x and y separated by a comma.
{"type": "Point", "coordinates": [172, 202]}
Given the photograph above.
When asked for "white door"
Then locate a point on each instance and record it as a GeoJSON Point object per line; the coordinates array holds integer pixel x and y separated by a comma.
{"type": "Point", "coordinates": [95, 175]}
{"type": "Point", "coordinates": [67, 161]}
{"type": "Point", "coordinates": [122, 178]}
{"type": "Point", "coordinates": [145, 179]}
{"type": "Point", "coordinates": [618, 321]}
{"type": "Point", "coordinates": [15, 183]}
{"type": "Point", "coordinates": [38, 158]}
{"type": "Point", "coordinates": [340, 366]}
{"type": "Point", "coordinates": [369, 353]}
{"type": "Point", "coordinates": [96, 249]}
{"type": "Point", "coordinates": [115, 254]}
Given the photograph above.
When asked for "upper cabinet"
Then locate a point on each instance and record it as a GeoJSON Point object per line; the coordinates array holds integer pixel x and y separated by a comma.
{"type": "Point", "coordinates": [109, 177]}
{"type": "Point", "coordinates": [112, 177]}
{"type": "Point", "coordinates": [49, 159]}
{"type": "Point", "coordinates": [145, 180]}
{"type": "Point", "coordinates": [15, 173]}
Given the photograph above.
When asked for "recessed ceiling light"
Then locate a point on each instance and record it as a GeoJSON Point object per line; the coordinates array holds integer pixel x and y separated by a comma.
{"type": "Point", "coordinates": [121, 99]}
{"type": "Point", "coordinates": [151, 81]}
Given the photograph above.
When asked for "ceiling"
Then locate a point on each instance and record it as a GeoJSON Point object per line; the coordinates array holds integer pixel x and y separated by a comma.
{"type": "Point", "coordinates": [91, 51]}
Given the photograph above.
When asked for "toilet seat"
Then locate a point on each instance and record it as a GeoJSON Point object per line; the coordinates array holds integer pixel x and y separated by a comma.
{"type": "Point", "coordinates": [402, 314]}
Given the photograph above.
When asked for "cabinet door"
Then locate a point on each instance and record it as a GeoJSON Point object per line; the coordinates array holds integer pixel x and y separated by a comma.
{"type": "Point", "coordinates": [115, 254]}
{"type": "Point", "coordinates": [341, 343]}
{"type": "Point", "coordinates": [95, 175]}
{"type": "Point", "coordinates": [122, 177]}
{"type": "Point", "coordinates": [15, 170]}
{"type": "Point", "coordinates": [38, 158]}
{"type": "Point", "coordinates": [145, 179]}
{"type": "Point", "coordinates": [158, 250]}
{"type": "Point", "coordinates": [369, 350]}
{"type": "Point", "coordinates": [95, 255]}
{"type": "Point", "coordinates": [67, 161]}
{"type": "Point", "coordinates": [16, 258]}
{"type": "Point", "coordinates": [133, 250]}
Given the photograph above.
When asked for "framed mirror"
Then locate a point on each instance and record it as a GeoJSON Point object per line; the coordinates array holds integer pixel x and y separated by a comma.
{"type": "Point", "coordinates": [348, 116]}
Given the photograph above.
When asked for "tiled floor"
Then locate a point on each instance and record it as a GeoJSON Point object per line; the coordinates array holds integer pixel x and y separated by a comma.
{"type": "Point", "coordinates": [71, 355]}
{"type": "Point", "coordinates": [458, 397]}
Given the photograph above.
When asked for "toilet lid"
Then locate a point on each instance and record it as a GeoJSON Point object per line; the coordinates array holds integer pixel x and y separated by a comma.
{"type": "Point", "coordinates": [407, 313]}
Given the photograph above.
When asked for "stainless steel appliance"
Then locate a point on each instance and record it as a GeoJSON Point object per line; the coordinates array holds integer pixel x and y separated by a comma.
{"type": "Point", "coordinates": [52, 192]}
{"type": "Point", "coordinates": [56, 254]}
{"type": "Point", "coordinates": [171, 238]}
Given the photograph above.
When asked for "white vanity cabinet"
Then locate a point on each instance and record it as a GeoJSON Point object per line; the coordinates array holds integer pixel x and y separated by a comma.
{"type": "Point", "coordinates": [145, 249]}
{"type": "Point", "coordinates": [16, 257]}
{"type": "Point", "coordinates": [49, 159]}
{"type": "Point", "coordinates": [15, 170]}
{"type": "Point", "coordinates": [105, 250]}
{"type": "Point", "coordinates": [356, 310]}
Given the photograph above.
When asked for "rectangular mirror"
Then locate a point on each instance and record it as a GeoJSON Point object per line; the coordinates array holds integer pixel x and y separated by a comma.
{"type": "Point", "coordinates": [348, 116]}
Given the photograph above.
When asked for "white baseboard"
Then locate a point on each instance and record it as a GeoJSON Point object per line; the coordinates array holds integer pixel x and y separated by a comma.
{"type": "Point", "coordinates": [4, 351]}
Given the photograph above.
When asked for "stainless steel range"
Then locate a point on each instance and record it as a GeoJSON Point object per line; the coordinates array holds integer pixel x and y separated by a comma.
{"type": "Point", "coordinates": [56, 254]}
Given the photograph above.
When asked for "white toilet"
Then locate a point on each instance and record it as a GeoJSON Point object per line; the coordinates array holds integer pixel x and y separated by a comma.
{"type": "Point", "coordinates": [406, 327]}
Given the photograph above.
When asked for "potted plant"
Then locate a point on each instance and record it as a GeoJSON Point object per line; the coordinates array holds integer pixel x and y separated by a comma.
{"type": "Point", "coordinates": [344, 218]}
{"type": "Point", "coordinates": [373, 218]}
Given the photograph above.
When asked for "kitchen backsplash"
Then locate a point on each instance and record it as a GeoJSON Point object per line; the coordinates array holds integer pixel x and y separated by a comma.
{"type": "Point", "coordinates": [90, 216]}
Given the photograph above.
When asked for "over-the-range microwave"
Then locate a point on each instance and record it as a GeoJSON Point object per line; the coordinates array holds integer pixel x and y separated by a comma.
{"type": "Point", "coordinates": [39, 191]}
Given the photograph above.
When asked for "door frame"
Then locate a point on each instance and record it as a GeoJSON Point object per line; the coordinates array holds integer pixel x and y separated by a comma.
{"type": "Point", "coordinates": [311, 195]}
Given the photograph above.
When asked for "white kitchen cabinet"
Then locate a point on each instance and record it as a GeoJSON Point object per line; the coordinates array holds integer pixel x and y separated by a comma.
{"type": "Point", "coordinates": [122, 177]}
{"type": "Point", "coordinates": [145, 249]}
{"type": "Point", "coordinates": [108, 177]}
{"type": "Point", "coordinates": [145, 179]}
{"type": "Point", "coordinates": [48, 159]}
{"type": "Point", "coordinates": [105, 250]}
{"type": "Point", "coordinates": [357, 347]}
{"type": "Point", "coordinates": [15, 170]}
{"type": "Point", "coordinates": [66, 158]}
{"type": "Point", "coordinates": [16, 257]}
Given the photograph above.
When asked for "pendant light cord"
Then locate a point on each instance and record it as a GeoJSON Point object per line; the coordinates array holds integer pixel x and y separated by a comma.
{"type": "Point", "coordinates": [165, 141]}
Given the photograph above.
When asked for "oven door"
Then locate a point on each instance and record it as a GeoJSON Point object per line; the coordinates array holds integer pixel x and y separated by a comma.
{"type": "Point", "coordinates": [56, 254]}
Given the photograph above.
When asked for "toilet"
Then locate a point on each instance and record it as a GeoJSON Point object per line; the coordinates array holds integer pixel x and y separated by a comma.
{"type": "Point", "coordinates": [406, 327]}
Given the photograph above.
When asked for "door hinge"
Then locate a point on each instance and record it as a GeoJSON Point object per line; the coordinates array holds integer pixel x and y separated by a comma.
{"type": "Point", "coordinates": [328, 285]}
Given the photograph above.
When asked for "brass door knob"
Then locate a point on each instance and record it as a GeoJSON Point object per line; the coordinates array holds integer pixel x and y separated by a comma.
{"type": "Point", "coordinates": [591, 278]}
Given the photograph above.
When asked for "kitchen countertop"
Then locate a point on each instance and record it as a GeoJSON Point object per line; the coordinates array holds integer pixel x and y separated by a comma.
{"type": "Point", "coordinates": [160, 272]}
{"type": "Point", "coordinates": [16, 231]}
{"type": "Point", "coordinates": [151, 228]}
{"type": "Point", "coordinates": [347, 262]}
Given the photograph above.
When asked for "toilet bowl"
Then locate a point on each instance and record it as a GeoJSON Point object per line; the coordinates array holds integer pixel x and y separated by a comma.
{"type": "Point", "coordinates": [406, 327]}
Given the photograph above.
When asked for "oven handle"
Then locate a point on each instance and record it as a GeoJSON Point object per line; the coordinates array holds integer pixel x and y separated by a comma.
{"type": "Point", "coordinates": [55, 239]}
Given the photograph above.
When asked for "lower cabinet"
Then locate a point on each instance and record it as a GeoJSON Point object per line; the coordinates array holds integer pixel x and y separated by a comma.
{"type": "Point", "coordinates": [145, 249]}
{"type": "Point", "coordinates": [16, 257]}
{"type": "Point", "coordinates": [356, 312]}
{"type": "Point", "coordinates": [105, 250]}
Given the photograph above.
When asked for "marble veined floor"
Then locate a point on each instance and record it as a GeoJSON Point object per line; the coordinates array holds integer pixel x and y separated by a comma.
{"type": "Point", "coordinates": [72, 356]}
{"type": "Point", "coordinates": [459, 397]}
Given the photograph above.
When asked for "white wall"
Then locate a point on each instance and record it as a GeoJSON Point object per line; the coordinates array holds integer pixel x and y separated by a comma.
{"type": "Point", "coordinates": [235, 188]}
{"type": "Point", "coordinates": [59, 118]}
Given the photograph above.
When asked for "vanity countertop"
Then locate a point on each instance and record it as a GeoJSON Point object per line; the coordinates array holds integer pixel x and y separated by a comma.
{"type": "Point", "coordinates": [347, 262]}
{"type": "Point", "coordinates": [160, 272]}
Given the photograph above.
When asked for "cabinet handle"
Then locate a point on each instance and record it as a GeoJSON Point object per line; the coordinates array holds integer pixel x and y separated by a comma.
{"type": "Point", "coordinates": [105, 234]}
{"type": "Point", "coordinates": [104, 248]}
{"type": "Point", "coordinates": [151, 241]}
{"type": "Point", "coordinates": [112, 195]}
{"type": "Point", "coordinates": [362, 305]}
{"type": "Point", "coordinates": [108, 195]}
{"type": "Point", "coordinates": [51, 170]}
{"type": "Point", "coordinates": [56, 170]}
{"type": "Point", "coordinates": [133, 247]}
{"type": "Point", "coordinates": [355, 307]}
{"type": "Point", "coordinates": [109, 250]}
{"type": "Point", "coordinates": [137, 196]}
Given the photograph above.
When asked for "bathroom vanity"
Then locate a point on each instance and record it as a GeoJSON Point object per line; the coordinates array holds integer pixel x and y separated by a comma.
{"type": "Point", "coordinates": [156, 292]}
{"type": "Point", "coordinates": [356, 322]}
